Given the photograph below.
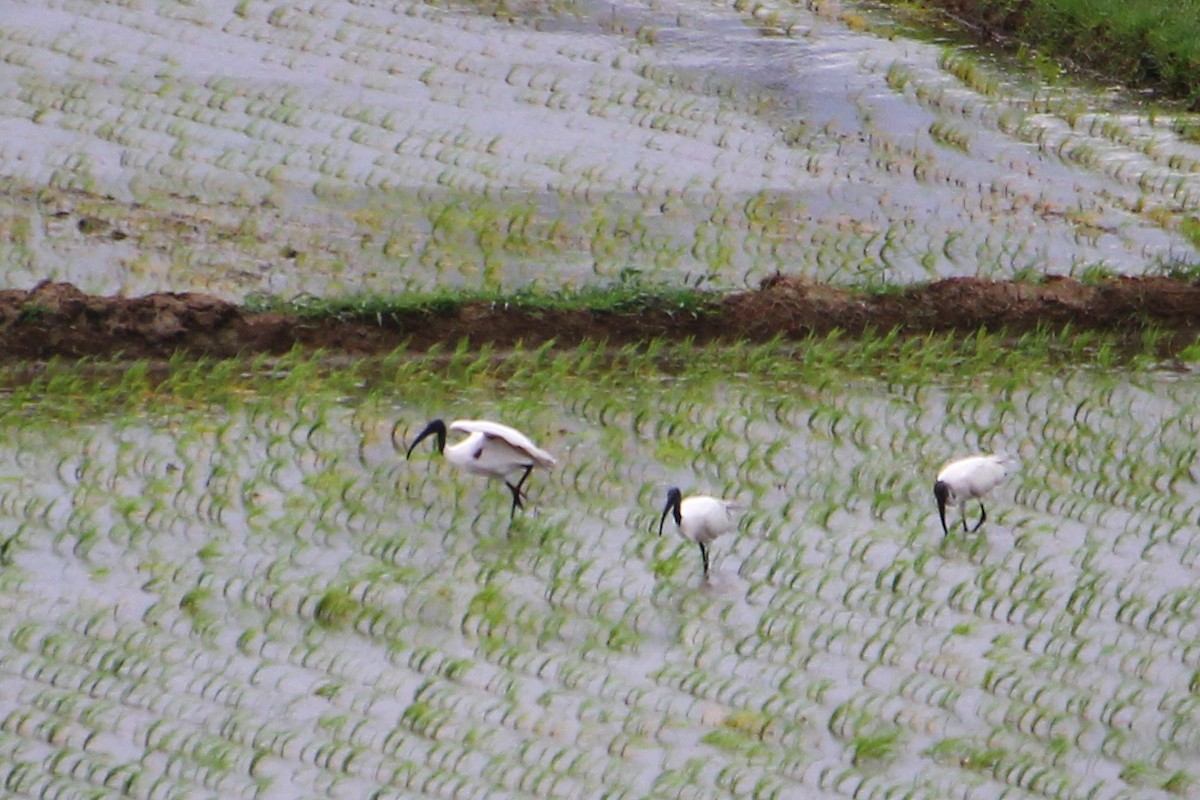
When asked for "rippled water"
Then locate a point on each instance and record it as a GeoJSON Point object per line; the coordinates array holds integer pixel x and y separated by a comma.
{"type": "Point", "coordinates": [251, 594]}
{"type": "Point", "coordinates": [340, 147]}
{"type": "Point", "coordinates": [262, 598]}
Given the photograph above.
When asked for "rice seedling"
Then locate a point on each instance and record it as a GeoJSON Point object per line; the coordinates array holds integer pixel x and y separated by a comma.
{"type": "Point", "coordinates": [336, 608]}
{"type": "Point", "coordinates": [876, 745]}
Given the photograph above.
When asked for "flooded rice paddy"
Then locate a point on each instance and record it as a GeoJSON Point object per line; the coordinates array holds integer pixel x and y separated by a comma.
{"type": "Point", "coordinates": [248, 592]}
{"type": "Point", "coordinates": [337, 147]}
{"type": "Point", "coordinates": [223, 580]}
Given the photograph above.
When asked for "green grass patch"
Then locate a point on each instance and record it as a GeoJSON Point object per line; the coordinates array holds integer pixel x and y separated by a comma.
{"type": "Point", "coordinates": [1180, 268]}
{"type": "Point", "coordinates": [1151, 43]}
{"type": "Point", "coordinates": [1096, 274]}
{"type": "Point", "coordinates": [629, 295]}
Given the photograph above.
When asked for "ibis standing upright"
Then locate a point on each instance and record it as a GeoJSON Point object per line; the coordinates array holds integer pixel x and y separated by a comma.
{"type": "Point", "coordinates": [700, 518]}
{"type": "Point", "coordinates": [490, 449]}
{"type": "Point", "coordinates": [969, 478]}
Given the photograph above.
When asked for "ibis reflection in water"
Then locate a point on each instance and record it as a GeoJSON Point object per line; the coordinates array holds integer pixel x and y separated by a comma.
{"type": "Point", "coordinates": [700, 518]}
{"type": "Point", "coordinates": [490, 449]}
{"type": "Point", "coordinates": [969, 478]}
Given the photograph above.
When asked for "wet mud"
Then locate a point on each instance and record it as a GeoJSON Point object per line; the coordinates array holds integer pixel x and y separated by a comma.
{"type": "Point", "coordinates": [59, 320]}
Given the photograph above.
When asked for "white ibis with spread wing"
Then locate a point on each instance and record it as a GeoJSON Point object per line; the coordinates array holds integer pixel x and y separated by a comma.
{"type": "Point", "coordinates": [490, 449]}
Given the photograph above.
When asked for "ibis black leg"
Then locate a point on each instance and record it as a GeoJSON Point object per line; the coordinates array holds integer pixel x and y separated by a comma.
{"type": "Point", "coordinates": [516, 490]}
{"type": "Point", "coordinates": [516, 493]}
{"type": "Point", "coordinates": [982, 517]}
{"type": "Point", "coordinates": [704, 556]}
{"type": "Point", "coordinates": [524, 475]}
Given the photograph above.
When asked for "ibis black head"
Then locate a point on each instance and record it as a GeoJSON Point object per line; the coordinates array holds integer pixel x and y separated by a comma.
{"type": "Point", "coordinates": [674, 498]}
{"type": "Point", "coordinates": [436, 427]}
{"type": "Point", "coordinates": [942, 492]}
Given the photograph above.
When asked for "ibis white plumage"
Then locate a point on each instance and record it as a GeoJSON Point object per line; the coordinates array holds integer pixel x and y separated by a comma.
{"type": "Point", "coordinates": [490, 449]}
{"type": "Point", "coordinates": [969, 478]}
{"type": "Point", "coordinates": [700, 518]}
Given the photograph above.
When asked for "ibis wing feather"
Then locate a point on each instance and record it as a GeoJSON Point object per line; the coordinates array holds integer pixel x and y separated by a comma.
{"type": "Point", "coordinates": [510, 436]}
{"type": "Point", "coordinates": [705, 518]}
{"type": "Point", "coordinates": [975, 476]}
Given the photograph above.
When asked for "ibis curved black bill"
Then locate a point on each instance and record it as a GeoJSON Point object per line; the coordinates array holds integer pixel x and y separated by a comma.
{"type": "Point", "coordinates": [674, 499]}
{"type": "Point", "coordinates": [438, 428]}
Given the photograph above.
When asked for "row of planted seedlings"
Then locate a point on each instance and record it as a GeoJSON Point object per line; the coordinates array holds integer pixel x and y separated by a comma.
{"type": "Point", "coordinates": [193, 115]}
{"type": "Point", "coordinates": [984, 229]}
{"type": "Point", "coordinates": [221, 441]}
{"type": "Point", "coordinates": [995, 600]}
{"type": "Point", "coordinates": [974, 214]}
{"type": "Point", "coordinates": [452, 238]}
{"type": "Point", "coordinates": [833, 646]}
{"type": "Point", "coordinates": [928, 252]}
{"type": "Point", "coordinates": [291, 432]}
{"type": "Point", "coordinates": [1141, 159]}
{"type": "Point", "coordinates": [481, 254]}
{"type": "Point", "coordinates": [1149, 149]}
{"type": "Point", "coordinates": [188, 134]}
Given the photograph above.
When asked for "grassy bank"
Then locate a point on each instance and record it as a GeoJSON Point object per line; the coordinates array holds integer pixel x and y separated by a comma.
{"type": "Point", "coordinates": [1152, 44]}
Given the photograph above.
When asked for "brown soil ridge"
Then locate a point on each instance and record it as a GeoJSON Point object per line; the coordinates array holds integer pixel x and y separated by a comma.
{"type": "Point", "coordinates": [59, 320]}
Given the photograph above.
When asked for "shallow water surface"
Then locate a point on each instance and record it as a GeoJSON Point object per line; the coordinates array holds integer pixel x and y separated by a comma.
{"type": "Point", "coordinates": [338, 148]}
{"type": "Point", "coordinates": [259, 597]}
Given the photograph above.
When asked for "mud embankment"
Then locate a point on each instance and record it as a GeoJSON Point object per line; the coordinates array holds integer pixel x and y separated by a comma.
{"type": "Point", "coordinates": [57, 319]}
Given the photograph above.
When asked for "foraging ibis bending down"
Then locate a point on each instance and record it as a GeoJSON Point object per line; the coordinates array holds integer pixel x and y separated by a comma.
{"type": "Point", "coordinates": [969, 478]}
{"type": "Point", "coordinates": [700, 518]}
{"type": "Point", "coordinates": [490, 449]}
